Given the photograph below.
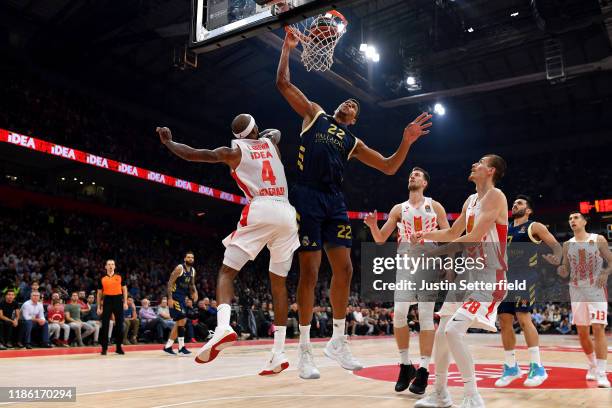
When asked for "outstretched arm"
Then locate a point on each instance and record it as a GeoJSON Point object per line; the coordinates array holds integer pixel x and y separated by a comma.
{"type": "Point", "coordinates": [227, 155]}
{"type": "Point", "coordinates": [381, 235]}
{"type": "Point", "coordinates": [298, 101]}
{"type": "Point", "coordinates": [390, 165]}
{"type": "Point", "coordinates": [540, 231]}
{"type": "Point", "coordinates": [447, 234]}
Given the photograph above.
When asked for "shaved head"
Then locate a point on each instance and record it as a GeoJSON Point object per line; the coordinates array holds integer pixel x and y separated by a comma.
{"type": "Point", "coordinates": [241, 123]}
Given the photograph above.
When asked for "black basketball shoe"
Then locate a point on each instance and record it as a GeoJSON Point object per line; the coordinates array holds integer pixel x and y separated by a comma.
{"type": "Point", "coordinates": [406, 374]}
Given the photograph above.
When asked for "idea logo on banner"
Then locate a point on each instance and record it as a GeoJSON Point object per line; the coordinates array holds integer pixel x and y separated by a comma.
{"type": "Point", "coordinates": [487, 374]}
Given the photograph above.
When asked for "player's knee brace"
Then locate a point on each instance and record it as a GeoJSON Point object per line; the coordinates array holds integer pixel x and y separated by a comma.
{"type": "Point", "coordinates": [400, 314]}
{"type": "Point", "coordinates": [235, 257]}
{"type": "Point", "coordinates": [426, 320]}
{"type": "Point", "coordinates": [181, 331]}
{"type": "Point", "coordinates": [281, 268]}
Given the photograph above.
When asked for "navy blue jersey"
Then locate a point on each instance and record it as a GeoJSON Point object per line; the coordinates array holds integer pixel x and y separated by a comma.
{"type": "Point", "coordinates": [525, 254]}
{"type": "Point", "coordinates": [325, 148]}
{"type": "Point", "coordinates": [181, 285]}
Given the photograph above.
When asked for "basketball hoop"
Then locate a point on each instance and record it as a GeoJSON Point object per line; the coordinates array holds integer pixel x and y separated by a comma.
{"type": "Point", "coordinates": [319, 36]}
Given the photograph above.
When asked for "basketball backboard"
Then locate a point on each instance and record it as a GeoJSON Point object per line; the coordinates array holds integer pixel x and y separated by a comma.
{"type": "Point", "coordinates": [216, 23]}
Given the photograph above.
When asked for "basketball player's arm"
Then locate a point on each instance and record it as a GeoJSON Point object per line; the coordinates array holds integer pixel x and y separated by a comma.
{"type": "Point", "coordinates": [607, 256]}
{"type": "Point", "coordinates": [227, 155]}
{"type": "Point", "coordinates": [490, 207]}
{"type": "Point", "coordinates": [564, 268]}
{"type": "Point", "coordinates": [296, 99]}
{"type": "Point", "coordinates": [390, 165]}
{"type": "Point", "coordinates": [539, 230]}
{"type": "Point", "coordinates": [448, 234]}
{"type": "Point", "coordinates": [273, 134]}
{"type": "Point", "coordinates": [381, 235]}
{"type": "Point", "coordinates": [175, 274]}
{"type": "Point", "coordinates": [193, 290]}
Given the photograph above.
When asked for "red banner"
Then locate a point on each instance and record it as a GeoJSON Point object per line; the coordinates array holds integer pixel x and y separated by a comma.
{"type": "Point", "coordinates": [135, 171]}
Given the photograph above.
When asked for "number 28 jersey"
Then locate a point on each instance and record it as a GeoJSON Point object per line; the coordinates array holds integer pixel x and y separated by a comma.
{"type": "Point", "coordinates": [261, 171]}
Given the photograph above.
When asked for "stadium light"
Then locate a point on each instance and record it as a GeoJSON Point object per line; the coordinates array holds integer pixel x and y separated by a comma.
{"type": "Point", "coordinates": [363, 47]}
{"type": "Point", "coordinates": [411, 80]}
{"type": "Point", "coordinates": [470, 30]}
{"type": "Point", "coordinates": [370, 52]}
{"type": "Point", "coordinates": [439, 109]}
{"type": "Point", "coordinates": [376, 57]}
{"type": "Point", "coordinates": [341, 27]}
{"type": "Point", "coordinates": [515, 14]}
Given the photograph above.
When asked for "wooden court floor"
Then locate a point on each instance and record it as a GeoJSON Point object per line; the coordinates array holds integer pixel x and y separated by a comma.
{"type": "Point", "coordinates": [153, 379]}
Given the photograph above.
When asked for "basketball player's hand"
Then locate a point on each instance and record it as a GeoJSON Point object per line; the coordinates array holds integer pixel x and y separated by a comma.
{"type": "Point", "coordinates": [416, 237]}
{"type": "Point", "coordinates": [418, 127]}
{"type": "Point", "coordinates": [371, 219]}
{"type": "Point", "coordinates": [551, 259]}
{"type": "Point", "coordinates": [602, 281]}
{"type": "Point", "coordinates": [291, 40]}
{"type": "Point", "coordinates": [562, 271]}
{"type": "Point", "coordinates": [165, 135]}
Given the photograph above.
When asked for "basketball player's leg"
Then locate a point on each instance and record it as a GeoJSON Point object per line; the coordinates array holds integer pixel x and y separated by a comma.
{"type": "Point", "coordinates": [537, 374]}
{"type": "Point", "coordinates": [401, 333]}
{"type": "Point", "coordinates": [440, 397]}
{"type": "Point", "coordinates": [339, 257]}
{"type": "Point", "coordinates": [233, 261]}
{"type": "Point", "coordinates": [426, 340]}
{"type": "Point", "coordinates": [511, 370]}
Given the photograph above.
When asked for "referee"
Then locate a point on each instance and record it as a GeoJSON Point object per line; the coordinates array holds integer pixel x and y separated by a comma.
{"type": "Point", "coordinates": [113, 289]}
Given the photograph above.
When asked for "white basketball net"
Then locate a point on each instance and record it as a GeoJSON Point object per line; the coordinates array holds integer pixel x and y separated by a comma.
{"type": "Point", "coordinates": [319, 36]}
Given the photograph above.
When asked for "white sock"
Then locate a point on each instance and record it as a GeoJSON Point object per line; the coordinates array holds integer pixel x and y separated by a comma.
{"type": "Point", "coordinates": [224, 312]}
{"type": "Point", "coordinates": [279, 339]}
{"type": "Point", "coordinates": [601, 366]}
{"type": "Point", "coordinates": [339, 325]}
{"type": "Point", "coordinates": [591, 358]}
{"type": "Point", "coordinates": [510, 358]}
{"type": "Point", "coordinates": [534, 355]}
{"type": "Point", "coordinates": [304, 334]}
{"type": "Point", "coordinates": [169, 343]}
{"type": "Point", "coordinates": [425, 362]}
{"type": "Point", "coordinates": [404, 358]}
{"type": "Point", "coordinates": [181, 341]}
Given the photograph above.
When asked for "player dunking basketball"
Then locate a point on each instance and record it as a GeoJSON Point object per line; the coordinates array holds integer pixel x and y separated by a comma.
{"type": "Point", "coordinates": [268, 220]}
{"type": "Point", "coordinates": [417, 214]}
{"type": "Point", "coordinates": [326, 146]}
{"type": "Point", "coordinates": [524, 235]}
{"type": "Point", "coordinates": [180, 285]}
{"type": "Point", "coordinates": [485, 218]}
{"type": "Point", "coordinates": [583, 257]}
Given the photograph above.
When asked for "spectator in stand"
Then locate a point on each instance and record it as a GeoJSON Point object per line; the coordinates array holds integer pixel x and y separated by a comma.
{"type": "Point", "coordinates": [564, 326]}
{"type": "Point", "coordinates": [26, 293]}
{"type": "Point", "coordinates": [369, 322]}
{"type": "Point", "coordinates": [164, 314]}
{"type": "Point", "coordinates": [49, 302]}
{"type": "Point", "coordinates": [351, 323]}
{"type": "Point", "coordinates": [131, 324]}
{"type": "Point", "coordinates": [85, 308]}
{"type": "Point", "coordinates": [93, 319]}
{"type": "Point", "coordinates": [323, 320]}
{"type": "Point", "coordinates": [72, 312]}
{"type": "Point", "coordinates": [150, 321]}
{"type": "Point", "coordinates": [9, 319]}
{"type": "Point", "coordinates": [191, 314]}
{"type": "Point", "coordinates": [292, 320]}
{"type": "Point", "coordinates": [268, 320]}
{"type": "Point", "coordinates": [202, 327]}
{"type": "Point", "coordinates": [33, 316]}
{"type": "Point", "coordinates": [383, 322]}
{"type": "Point", "coordinates": [57, 322]}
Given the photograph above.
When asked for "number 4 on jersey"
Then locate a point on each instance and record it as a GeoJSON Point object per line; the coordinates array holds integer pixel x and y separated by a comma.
{"type": "Point", "coordinates": [267, 174]}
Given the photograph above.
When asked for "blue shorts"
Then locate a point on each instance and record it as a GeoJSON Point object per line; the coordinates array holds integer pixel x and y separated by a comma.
{"type": "Point", "coordinates": [520, 300]}
{"type": "Point", "coordinates": [322, 218]}
{"type": "Point", "coordinates": [178, 312]}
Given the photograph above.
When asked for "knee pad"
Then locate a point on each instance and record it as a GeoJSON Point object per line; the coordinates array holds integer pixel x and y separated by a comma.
{"type": "Point", "coordinates": [400, 314]}
{"type": "Point", "coordinates": [281, 268]}
{"type": "Point", "coordinates": [181, 331]}
{"type": "Point", "coordinates": [235, 257]}
{"type": "Point", "coordinates": [426, 320]}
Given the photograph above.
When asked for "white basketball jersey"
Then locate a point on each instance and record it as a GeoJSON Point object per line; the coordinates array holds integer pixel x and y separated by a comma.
{"type": "Point", "coordinates": [416, 219]}
{"type": "Point", "coordinates": [260, 172]}
{"type": "Point", "coordinates": [585, 261]}
{"type": "Point", "coordinates": [495, 238]}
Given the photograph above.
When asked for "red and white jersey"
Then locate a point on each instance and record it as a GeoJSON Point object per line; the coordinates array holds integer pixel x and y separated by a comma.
{"type": "Point", "coordinates": [260, 172]}
{"type": "Point", "coordinates": [415, 219]}
{"type": "Point", "coordinates": [586, 262]}
{"type": "Point", "coordinates": [495, 238]}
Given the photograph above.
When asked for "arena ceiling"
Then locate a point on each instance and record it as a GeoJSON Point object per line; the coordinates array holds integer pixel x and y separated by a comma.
{"type": "Point", "coordinates": [491, 78]}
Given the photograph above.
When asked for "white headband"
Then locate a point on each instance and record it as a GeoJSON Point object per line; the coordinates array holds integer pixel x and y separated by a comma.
{"type": "Point", "coordinates": [246, 131]}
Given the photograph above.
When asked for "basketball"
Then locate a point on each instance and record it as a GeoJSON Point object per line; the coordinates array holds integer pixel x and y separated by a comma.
{"type": "Point", "coordinates": [323, 28]}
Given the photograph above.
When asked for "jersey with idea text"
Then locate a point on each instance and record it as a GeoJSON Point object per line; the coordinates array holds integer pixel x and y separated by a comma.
{"type": "Point", "coordinates": [325, 148]}
{"type": "Point", "coordinates": [261, 171]}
